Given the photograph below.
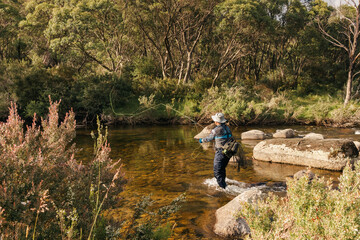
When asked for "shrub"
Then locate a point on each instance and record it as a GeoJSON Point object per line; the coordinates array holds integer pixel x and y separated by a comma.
{"type": "Point", "coordinates": [40, 180]}
{"type": "Point", "coordinates": [231, 101]}
{"type": "Point", "coordinates": [311, 210]}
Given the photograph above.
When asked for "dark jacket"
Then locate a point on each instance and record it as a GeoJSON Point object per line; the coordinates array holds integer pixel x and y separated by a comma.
{"type": "Point", "coordinates": [221, 134]}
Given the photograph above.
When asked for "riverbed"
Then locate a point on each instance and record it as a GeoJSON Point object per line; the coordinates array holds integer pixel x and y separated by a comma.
{"type": "Point", "coordinates": [166, 161]}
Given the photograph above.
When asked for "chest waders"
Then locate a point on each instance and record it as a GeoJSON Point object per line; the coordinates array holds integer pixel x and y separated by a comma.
{"type": "Point", "coordinates": [221, 160]}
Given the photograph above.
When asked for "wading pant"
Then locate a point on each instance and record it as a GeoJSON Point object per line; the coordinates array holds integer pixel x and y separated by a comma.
{"type": "Point", "coordinates": [220, 163]}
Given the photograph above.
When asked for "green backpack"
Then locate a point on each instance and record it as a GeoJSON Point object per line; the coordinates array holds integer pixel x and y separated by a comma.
{"type": "Point", "coordinates": [231, 147]}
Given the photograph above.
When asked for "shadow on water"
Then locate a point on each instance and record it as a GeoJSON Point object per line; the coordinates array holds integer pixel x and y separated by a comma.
{"type": "Point", "coordinates": [166, 161]}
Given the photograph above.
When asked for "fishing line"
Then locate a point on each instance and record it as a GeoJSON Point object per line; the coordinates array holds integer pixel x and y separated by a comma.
{"type": "Point", "coordinates": [196, 149]}
{"type": "Point", "coordinates": [135, 113]}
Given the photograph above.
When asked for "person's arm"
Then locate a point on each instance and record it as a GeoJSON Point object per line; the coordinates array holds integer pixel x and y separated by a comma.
{"type": "Point", "coordinates": [210, 137]}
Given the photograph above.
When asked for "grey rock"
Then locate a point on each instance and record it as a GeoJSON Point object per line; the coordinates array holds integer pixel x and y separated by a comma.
{"type": "Point", "coordinates": [286, 133]}
{"type": "Point", "coordinates": [228, 224]}
{"type": "Point", "coordinates": [305, 172]}
{"type": "Point", "coordinates": [357, 144]}
{"type": "Point", "coordinates": [206, 131]}
{"type": "Point", "coordinates": [253, 135]}
{"type": "Point", "coordinates": [331, 154]}
{"type": "Point", "coordinates": [314, 136]}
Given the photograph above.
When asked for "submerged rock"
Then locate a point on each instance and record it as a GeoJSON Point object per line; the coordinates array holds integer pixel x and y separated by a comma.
{"type": "Point", "coordinates": [331, 154]}
{"type": "Point", "coordinates": [305, 172]}
{"type": "Point", "coordinates": [286, 133]}
{"type": "Point", "coordinates": [228, 224]}
{"type": "Point", "coordinates": [253, 135]}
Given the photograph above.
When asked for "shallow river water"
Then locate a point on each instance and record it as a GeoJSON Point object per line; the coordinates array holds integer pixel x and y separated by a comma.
{"type": "Point", "coordinates": [166, 161]}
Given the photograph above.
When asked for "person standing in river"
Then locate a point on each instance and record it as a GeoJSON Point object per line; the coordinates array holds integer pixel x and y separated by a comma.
{"type": "Point", "coordinates": [221, 134]}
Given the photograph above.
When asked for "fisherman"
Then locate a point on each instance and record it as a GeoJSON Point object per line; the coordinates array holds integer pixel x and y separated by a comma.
{"type": "Point", "coordinates": [221, 133]}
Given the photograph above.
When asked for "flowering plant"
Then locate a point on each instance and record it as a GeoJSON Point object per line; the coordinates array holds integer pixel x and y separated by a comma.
{"type": "Point", "coordinates": [41, 181]}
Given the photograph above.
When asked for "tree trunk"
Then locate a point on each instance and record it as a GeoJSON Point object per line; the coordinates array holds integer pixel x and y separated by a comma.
{"type": "Point", "coordinates": [188, 67]}
{"type": "Point", "coordinates": [180, 72]}
{"type": "Point", "coordinates": [348, 86]}
{"type": "Point", "coordinates": [215, 78]}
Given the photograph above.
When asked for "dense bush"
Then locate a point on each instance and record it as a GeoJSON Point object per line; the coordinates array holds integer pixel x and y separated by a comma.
{"type": "Point", "coordinates": [311, 210]}
{"type": "Point", "coordinates": [41, 181]}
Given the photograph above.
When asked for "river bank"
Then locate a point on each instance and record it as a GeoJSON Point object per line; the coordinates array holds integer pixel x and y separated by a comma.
{"type": "Point", "coordinates": [241, 109]}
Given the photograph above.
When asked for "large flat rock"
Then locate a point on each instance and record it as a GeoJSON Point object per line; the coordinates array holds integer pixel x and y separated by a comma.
{"type": "Point", "coordinates": [331, 154]}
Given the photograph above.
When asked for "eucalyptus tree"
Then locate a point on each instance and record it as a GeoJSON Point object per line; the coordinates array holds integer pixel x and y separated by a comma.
{"type": "Point", "coordinates": [251, 29]}
{"type": "Point", "coordinates": [37, 16]}
{"type": "Point", "coordinates": [152, 23]}
{"type": "Point", "coordinates": [230, 42]}
{"type": "Point", "coordinates": [81, 31]}
{"type": "Point", "coordinates": [342, 29]}
{"type": "Point", "coordinates": [188, 30]}
{"type": "Point", "coordinates": [10, 44]}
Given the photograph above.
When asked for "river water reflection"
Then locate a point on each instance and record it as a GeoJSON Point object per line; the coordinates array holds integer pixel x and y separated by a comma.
{"type": "Point", "coordinates": [166, 161]}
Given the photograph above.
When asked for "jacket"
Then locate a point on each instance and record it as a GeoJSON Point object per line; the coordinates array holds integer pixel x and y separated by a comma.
{"type": "Point", "coordinates": [221, 134]}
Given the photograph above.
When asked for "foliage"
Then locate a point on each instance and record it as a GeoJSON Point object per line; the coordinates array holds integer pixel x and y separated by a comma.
{"type": "Point", "coordinates": [89, 53]}
{"type": "Point", "coordinates": [311, 210]}
{"type": "Point", "coordinates": [41, 180]}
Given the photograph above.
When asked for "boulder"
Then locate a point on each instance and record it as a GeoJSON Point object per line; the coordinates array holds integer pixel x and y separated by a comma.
{"type": "Point", "coordinates": [305, 172]}
{"type": "Point", "coordinates": [314, 136]}
{"type": "Point", "coordinates": [206, 131]}
{"type": "Point", "coordinates": [228, 224]}
{"type": "Point", "coordinates": [286, 133]}
{"type": "Point", "coordinates": [331, 154]}
{"type": "Point", "coordinates": [357, 144]}
{"type": "Point", "coordinates": [253, 135]}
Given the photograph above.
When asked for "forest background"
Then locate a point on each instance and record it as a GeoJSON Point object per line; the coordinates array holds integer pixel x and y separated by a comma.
{"type": "Point", "coordinates": [264, 61]}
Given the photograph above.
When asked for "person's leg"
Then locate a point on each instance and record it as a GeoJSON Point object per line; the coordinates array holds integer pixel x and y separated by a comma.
{"type": "Point", "coordinates": [220, 163]}
{"type": "Point", "coordinates": [224, 163]}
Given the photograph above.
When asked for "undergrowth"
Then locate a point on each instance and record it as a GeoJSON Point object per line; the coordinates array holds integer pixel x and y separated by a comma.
{"type": "Point", "coordinates": [311, 210]}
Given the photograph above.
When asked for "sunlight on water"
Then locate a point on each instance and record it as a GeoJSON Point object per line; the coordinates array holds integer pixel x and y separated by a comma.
{"type": "Point", "coordinates": [166, 161]}
{"type": "Point", "coordinates": [235, 187]}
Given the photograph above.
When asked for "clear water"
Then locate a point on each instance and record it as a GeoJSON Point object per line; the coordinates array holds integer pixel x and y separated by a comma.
{"type": "Point", "coordinates": [166, 161]}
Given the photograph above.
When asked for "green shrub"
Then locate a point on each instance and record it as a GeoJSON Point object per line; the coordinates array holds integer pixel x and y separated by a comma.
{"type": "Point", "coordinates": [231, 101]}
{"type": "Point", "coordinates": [311, 210]}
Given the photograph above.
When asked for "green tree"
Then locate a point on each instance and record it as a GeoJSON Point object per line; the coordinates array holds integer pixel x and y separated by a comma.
{"type": "Point", "coordinates": [11, 47]}
{"type": "Point", "coordinates": [346, 21]}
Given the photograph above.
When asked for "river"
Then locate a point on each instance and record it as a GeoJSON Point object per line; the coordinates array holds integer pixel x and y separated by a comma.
{"type": "Point", "coordinates": [166, 161]}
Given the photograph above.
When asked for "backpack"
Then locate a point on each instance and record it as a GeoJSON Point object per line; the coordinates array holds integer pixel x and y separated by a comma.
{"type": "Point", "coordinates": [231, 147]}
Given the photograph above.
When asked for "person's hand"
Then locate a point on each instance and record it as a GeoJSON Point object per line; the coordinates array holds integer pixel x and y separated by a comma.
{"type": "Point", "coordinates": [200, 140]}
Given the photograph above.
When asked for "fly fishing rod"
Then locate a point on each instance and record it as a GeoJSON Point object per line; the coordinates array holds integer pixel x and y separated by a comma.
{"type": "Point", "coordinates": [136, 113]}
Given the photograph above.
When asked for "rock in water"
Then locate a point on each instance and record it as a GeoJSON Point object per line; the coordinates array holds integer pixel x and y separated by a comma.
{"type": "Point", "coordinates": [227, 223]}
{"type": "Point", "coordinates": [331, 154]}
{"type": "Point", "coordinates": [306, 172]}
{"type": "Point", "coordinates": [286, 133]}
{"type": "Point", "coordinates": [357, 144]}
{"type": "Point", "coordinates": [314, 136]}
{"type": "Point", "coordinates": [253, 135]}
{"type": "Point", "coordinates": [206, 131]}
